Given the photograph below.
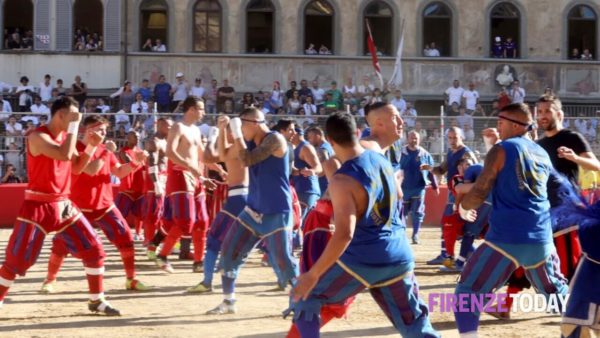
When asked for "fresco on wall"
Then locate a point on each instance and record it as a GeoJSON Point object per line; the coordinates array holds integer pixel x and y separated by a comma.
{"type": "Point", "coordinates": [582, 81]}
{"type": "Point", "coordinates": [535, 78]}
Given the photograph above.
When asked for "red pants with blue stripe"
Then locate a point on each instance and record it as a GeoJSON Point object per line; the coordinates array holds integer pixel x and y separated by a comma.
{"type": "Point", "coordinates": [153, 208]}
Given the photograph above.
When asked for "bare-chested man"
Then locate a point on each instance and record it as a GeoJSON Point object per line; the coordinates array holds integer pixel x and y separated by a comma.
{"type": "Point", "coordinates": [237, 182]}
{"type": "Point", "coordinates": [183, 172]}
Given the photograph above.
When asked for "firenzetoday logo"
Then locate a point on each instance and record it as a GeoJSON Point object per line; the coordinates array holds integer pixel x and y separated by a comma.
{"type": "Point", "coordinates": [496, 302]}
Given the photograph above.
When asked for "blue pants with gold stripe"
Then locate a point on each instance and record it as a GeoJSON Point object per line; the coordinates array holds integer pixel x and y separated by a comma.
{"type": "Point", "coordinates": [249, 229]}
{"type": "Point", "coordinates": [491, 265]}
{"type": "Point", "coordinates": [394, 288]}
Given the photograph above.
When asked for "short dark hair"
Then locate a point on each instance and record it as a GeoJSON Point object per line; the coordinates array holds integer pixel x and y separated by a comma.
{"type": "Point", "coordinates": [518, 109]}
{"type": "Point", "coordinates": [374, 106]}
{"type": "Point", "coordinates": [283, 124]}
{"type": "Point", "coordinates": [341, 129]}
{"type": "Point", "coordinates": [249, 111]}
{"type": "Point", "coordinates": [63, 102]}
{"type": "Point", "coordinates": [190, 101]}
{"type": "Point", "coordinates": [93, 119]}
{"type": "Point", "coordinates": [316, 130]}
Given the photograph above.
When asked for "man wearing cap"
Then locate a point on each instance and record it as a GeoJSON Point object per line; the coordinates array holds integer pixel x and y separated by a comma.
{"type": "Point", "coordinates": [497, 48]}
{"type": "Point", "coordinates": [336, 94]}
{"type": "Point", "coordinates": [179, 91]}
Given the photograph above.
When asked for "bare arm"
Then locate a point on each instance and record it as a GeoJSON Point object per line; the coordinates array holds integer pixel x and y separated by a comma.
{"type": "Point", "coordinates": [211, 154]}
{"type": "Point", "coordinates": [494, 161]}
{"type": "Point", "coordinates": [272, 144]}
{"type": "Point", "coordinates": [309, 155]}
{"type": "Point", "coordinates": [587, 160]}
{"type": "Point", "coordinates": [153, 154]}
{"type": "Point", "coordinates": [122, 170]}
{"type": "Point", "coordinates": [441, 169]}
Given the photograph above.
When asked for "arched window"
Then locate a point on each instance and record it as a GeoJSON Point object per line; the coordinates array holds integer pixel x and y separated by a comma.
{"type": "Point", "coordinates": [437, 29]}
{"type": "Point", "coordinates": [154, 21]}
{"type": "Point", "coordinates": [260, 15]}
{"type": "Point", "coordinates": [582, 33]}
{"type": "Point", "coordinates": [18, 24]}
{"type": "Point", "coordinates": [505, 24]}
{"type": "Point", "coordinates": [318, 26]}
{"type": "Point", "coordinates": [380, 16]}
{"type": "Point", "coordinates": [207, 26]}
{"type": "Point", "coordinates": [88, 16]}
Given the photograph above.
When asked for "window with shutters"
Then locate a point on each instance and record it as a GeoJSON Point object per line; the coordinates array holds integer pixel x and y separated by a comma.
{"type": "Point", "coordinates": [18, 24]}
{"type": "Point", "coordinates": [318, 27]}
{"type": "Point", "coordinates": [582, 33]}
{"type": "Point", "coordinates": [88, 25]}
{"type": "Point", "coordinates": [379, 16]}
{"type": "Point", "coordinates": [207, 26]}
{"type": "Point", "coordinates": [154, 23]}
{"type": "Point", "coordinates": [260, 29]}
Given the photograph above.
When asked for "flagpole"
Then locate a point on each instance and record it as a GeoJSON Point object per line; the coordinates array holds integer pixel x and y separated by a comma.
{"type": "Point", "coordinates": [442, 133]}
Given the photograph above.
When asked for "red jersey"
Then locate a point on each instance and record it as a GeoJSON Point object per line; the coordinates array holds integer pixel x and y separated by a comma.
{"type": "Point", "coordinates": [94, 192]}
{"type": "Point", "coordinates": [134, 181]}
{"type": "Point", "coordinates": [49, 179]}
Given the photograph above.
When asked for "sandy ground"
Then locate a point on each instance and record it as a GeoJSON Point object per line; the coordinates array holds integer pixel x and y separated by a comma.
{"type": "Point", "coordinates": [168, 312]}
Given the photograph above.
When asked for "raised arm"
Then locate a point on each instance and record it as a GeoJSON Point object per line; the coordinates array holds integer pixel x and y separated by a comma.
{"type": "Point", "coordinates": [309, 155]}
{"type": "Point", "coordinates": [43, 144]}
{"type": "Point", "coordinates": [494, 161]}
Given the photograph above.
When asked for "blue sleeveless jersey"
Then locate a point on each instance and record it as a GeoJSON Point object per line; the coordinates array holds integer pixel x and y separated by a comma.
{"type": "Point", "coordinates": [415, 179]}
{"type": "Point", "coordinates": [323, 183]}
{"type": "Point", "coordinates": [452, 161]}
{"type": "Point", "coordinates": [394, 154]}
{"type": "Point", "coordinates": [379, 233]}
{"type": "Point", "coordinates": [521, 210]}
{"type": "Point", "coordinates": [471, 174]}
{"type": "Point", "coordinates": [304, 185]}
{"type": "Point", "coordinates": [269, 189]}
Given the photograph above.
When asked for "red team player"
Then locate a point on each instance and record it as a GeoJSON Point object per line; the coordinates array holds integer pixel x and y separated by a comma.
{"type": "Point", "coordinates": [92, 192]}
{"type": "Point", "coordinates": [47, 207]}
{"type": "Point", "coordinates": [130, 198]}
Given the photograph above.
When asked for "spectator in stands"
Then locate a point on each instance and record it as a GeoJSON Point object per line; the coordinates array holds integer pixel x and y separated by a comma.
{"type": "Point", "coordinates": [590, 132]}
{"type": "Point", "coordinates": [5, 108]}
{"type": "Point", "coordinates": [162, 95]}
{"type": "Point", "coordinates": [309, 107]}
{"type": "Point", "coordinates": [398, 101]}
{"type": "Point", "coordinates": [102, 107]}
{"type": "Point", "coordinates": [409, 116]}
{"type": "Point", "coordinates": [145, 90]}
{"type": "Point", "coordinates": [24, 92]}
{"type": "Point", "coordinates": [470, 98]}
{"type": "Point", "coordinates": [211, 97]}
{"type": "Point", "coordinates": [463, 118]}
{"type": "Point", "coordinates": [59, 86]}
{"type": "Point", "coordinates": [330, 104]}
{"type": "Point", "coordinates": [139, 106]}
{"type": "Point", "coordinates": [426, 50]}
{"type": "Point", "coordinates": [276, 97]}
{"type": "Point", "coordinates": [349, 100]}
{"type": "Point", "coordinates": [13, 156]}
{"type": "Point", "coordinates": [311, 50]}
{"type": "Point", "coordinates": [14, 130]}
{"type": "Point", "coordinates": [180, 89]}
{"type": "Point", "coordinates": [336, 94]}
{"type": "Point", "coordinates": [479, 111]}
{"type": "Point", "coordinates": [27, 41]}
{"type": "Point", "coordinates": [503, 98]}
{"type": "Point", "coordinates": [304, 91]}
{"type": "Point", "coordinates": [498, 48]}
{"type": "Point", "coordinates": [159, 46]}
{"type": "Point", "coordinates": [10, 175]}
{"type": "Point", "coordinates": [38, 107]}
{"type": "Point", "coordinates": [46, 87]}
{"type": "Point", "coordinates": [433, 51]}
{"type": "Point", "coordinates": [228, 107]}
{"type": "Point", "coordinates": [89, 106]}
{"type": "Point", "coordinates": [91, 45]}
{"type": "Point", "coordinates": [147, 46]}
{"type": "Point", "coordinates": [435, 142]}
{"type": "Point", "coordinates": [453, 94]}
{"type": "Point", "coordinates": [288, 93]}
{"type": "Point", "coordinates": [510, 48]}
{"type": "Point", "coordinates": [516, 93]}
{"type": "Point", "coordinates": [469, 133]}
{"type": "Point", "coordinates": [14, 41]}
{"type": "Point", "coordinates": [586, 55]}
{"type": "Point", "coordinates": [197, 90]}
{"type": "Point", "coordinates": [349, 87]}
{"type": "Point", "coordinates": [79, 90]}
{"type": "Point", "coordinates": [248, 101]}
{"type": "Point", "coordinates": [123, 118]}
{"type": "Point", "coordinates": [225, 93]}
{"type": "Point", "coordinates": [317, 93]}
{"type": "Point", "coordinates": [125, 94]}
{"type": "Point", "coordinates": [575, 54]}
{"type": "Point", "coordinates": [419, 129]}
{"type": "Point", "coordinates": [323, 50]}
{"type": "Point", "coordinates": [294, 103]}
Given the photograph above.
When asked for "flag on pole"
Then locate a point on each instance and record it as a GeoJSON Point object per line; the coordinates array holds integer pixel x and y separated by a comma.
{"type": "Point", "coordinates": [396, 78]}
{"type": "Point", "coordinates": [373, 51]}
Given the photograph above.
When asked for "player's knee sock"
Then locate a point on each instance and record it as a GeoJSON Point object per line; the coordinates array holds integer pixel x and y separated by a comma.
{"type": "Point", "coordinates": [54, 263]}
{"type": "Point", "coordinates": [95, 278]}
{"type": "Point", "coordinates": [209, 265]}
{"type": "Point", "coordinates": [228, 285]}
{"type": "Point", "coordinates": [511, 290]}
{"type": "Point", "coordinates": [199, 239]}
{"type": "Point", "coordinates": [308, 328]}
{"type": "Point", "coordinates": [466, 246]}
{"type": "Point", "coordinates": [170, 240]}
{"type": "Point", "coordinates": [128, 258]}
{"type": "Point", "coordinates": [149, 229]}
{"type": "Point", "coordinates": [158, 238]}
{"type": "Point", "coordinates": [6, 280]}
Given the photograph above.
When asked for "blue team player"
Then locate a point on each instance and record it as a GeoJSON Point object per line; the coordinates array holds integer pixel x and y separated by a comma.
{"type": "Point", "coordinates": [305, 175]}
{"type": "Point", "coordinates": [516, 172]}
{"type": "Point", "coordinates": [414, 162]}
{"type": "Point", "coordinates": [368, 248]}
{"type": "Point", "coordinates": [457, 151]}
{"type": "Point", "coordinates": [316, 137]}
{"type": "Point", "coordinates": [268, 213]}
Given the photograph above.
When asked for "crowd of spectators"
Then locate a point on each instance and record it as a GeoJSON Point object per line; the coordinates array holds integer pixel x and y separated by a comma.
{"type": "Point", "coordinates": [84, 40]}
{"type": "Point", "coordinates": [16, 39]}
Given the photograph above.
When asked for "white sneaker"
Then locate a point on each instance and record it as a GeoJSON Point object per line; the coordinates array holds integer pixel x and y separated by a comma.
{"type": "Point", "coordinates": [226, 307]}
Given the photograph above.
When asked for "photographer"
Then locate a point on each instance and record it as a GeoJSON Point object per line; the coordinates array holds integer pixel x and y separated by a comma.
{"type": "Point", "coordinates": [10, 176]}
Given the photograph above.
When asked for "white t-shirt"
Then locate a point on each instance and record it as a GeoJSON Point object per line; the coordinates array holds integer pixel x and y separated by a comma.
{"type": "Point", "coordinates": [351, 90]}
{"type": "Point", "coordinates": [310, 109]}
{"type": "Point", "coordinates": [180, 91]}
{"type": "Point", "coordinates": [17, 127]}
{"type": "Point", "coordinates": [31, 118]}
{"type": "Point", "coordinates": [400, 104]}
{"type": "Point", "coordinates": [432, 52]}
{"type": "Point", "coordinates": [161, 48]}
{"type": "Point", "coordinates": [471, 99]}
{"type": "Point", "coordinates": [197, 91]}
{"type": "Point", "coordinates": [23, 96]}
{"type": "Point", "coordinates": [318, 94]}
{"type": "Point", "coordinates": [517, 96]}
{"type": "Point", "coordinates": [135, 108]}
{"type": "Point", "coordinates": [45, 91]}
{"type": "Point", "coordinates": [454, 95]}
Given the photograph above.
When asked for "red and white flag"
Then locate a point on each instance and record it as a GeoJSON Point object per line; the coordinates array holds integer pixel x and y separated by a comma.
{"type": "Point", "coordinates": [373, 51]}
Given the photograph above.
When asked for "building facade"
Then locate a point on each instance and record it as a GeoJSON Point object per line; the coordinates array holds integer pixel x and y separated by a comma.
{"type": "Point", "coordinates": [255, 42]}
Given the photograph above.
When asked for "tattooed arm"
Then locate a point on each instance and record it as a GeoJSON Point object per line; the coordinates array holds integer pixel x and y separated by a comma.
{"type": "Point", "coordinates": [494, 161]}
{"type": "Point", "coordinates": [440, 169]}
{"type": "Point", "coordinates": [272, 144]}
